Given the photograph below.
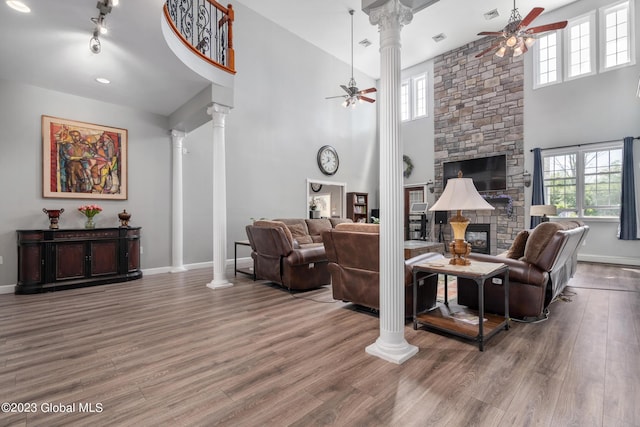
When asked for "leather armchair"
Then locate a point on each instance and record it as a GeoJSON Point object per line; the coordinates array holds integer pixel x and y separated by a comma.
{"type": "Point", "coordinates": [354, 263]}
{"type": "Point", "coordinates": [277, 260]}
{"type": "Point", "coordinates": [536, 278]}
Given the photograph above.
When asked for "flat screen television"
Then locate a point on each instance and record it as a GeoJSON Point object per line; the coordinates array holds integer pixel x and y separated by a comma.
{"type": "Point", "coordinates": [487, 173]}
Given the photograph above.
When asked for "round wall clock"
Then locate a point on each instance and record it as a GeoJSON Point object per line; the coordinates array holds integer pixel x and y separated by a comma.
{"type": "Point", "coordinates": [328, 161]}
{"type": "Point", "coordinates": [316, 187]}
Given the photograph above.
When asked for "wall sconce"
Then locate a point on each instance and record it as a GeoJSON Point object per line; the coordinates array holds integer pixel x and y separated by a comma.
{"type": "Point", "coordinates": [526, 176]}
{"type": "Point", "coordinates": [430, 185]}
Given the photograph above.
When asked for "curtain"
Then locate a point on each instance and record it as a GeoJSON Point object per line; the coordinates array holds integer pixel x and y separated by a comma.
{"type": "Point", "coordinates": [628, 222]}
{"type": "Point", "coordinates": [537, 198]}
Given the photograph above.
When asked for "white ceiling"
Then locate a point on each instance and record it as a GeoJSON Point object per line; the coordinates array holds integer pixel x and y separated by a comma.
{"type": "Point", "coordinates": [49, 46]}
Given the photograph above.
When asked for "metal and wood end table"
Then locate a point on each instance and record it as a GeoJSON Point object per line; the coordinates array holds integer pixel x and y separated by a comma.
{"type": "Point", "coordinates": [459, 320]}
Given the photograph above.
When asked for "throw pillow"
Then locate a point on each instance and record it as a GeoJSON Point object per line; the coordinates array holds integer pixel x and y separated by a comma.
{"type": "Point", "coordinates": [317, 226]}
{"type": "Point", "coordinates": [516, 251]}
{"type": "Point", "coordinates": [299, 233]}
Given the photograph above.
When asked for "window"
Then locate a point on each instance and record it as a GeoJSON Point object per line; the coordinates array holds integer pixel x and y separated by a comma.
{"type": "Point", "coordinates": [580, 36]}
{"type": "Point", "coordinates": [413, 98]}
{"type": "Point", "coordinates": [583, 44]}
{"type": "Point", "coordinates": [404, 101]}
{"type": "Point", "coordinates": [585, 181]}
{"type": "Point", "coordinates": [615, 24]}
{"type": "Point", "coordinates": [547, 59]}
{"type": "Point", "coordinates": [419, 96]}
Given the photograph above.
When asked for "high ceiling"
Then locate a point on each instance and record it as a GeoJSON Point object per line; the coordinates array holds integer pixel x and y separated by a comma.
{"type": "Point", "coordinates": [49, 47]}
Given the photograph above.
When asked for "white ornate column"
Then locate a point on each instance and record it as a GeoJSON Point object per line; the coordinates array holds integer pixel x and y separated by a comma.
{"type": "Point", "coordinates": [391, 344]}
{"type": "Point", "coordinates": [219, 113]}
{"type": "Point", "coordinates": [177, 240]}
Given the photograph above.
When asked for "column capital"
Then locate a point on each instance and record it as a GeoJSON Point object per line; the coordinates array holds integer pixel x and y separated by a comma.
{"type": "Point", "coordinates": [218, 108]}
{"type": "Point", "coordinates": [177, 137]}
{"type": "Point", "coordinates": [218, 113]}
{"type": "Point", "coordinates": [392, 14]}
{"type": "Point", "coordinates": [175, 133]}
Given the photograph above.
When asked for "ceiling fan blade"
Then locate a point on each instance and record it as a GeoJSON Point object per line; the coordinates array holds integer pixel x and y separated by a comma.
{"type": "Point", "coordinates": [489, 49]}
{"type": "Point", "coordinates": [491, 33]}
{"type": "Point", "coordinates": [371, 89]}
{"type": "Point", "coordinates": [337, 96]}
{"type": "Point", "coordinates": [367, 99]}
{"type": "Point", "coordinates": [346, 89]}
{"type": "Point", "coordinates": [535, 12]}
{"type": "Point", "coordinates": [548, 27]}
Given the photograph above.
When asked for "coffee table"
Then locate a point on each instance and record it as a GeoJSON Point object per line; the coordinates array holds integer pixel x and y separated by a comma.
{"type": "Point", "coordinates": [459, 320]}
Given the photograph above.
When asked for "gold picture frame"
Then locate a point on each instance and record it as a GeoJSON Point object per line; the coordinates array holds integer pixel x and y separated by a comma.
{"type": "Point", "coordinates": [83, 160]}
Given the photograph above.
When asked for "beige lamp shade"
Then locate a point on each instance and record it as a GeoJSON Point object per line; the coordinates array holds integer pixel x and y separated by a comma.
{"type": "Point", "coordinates": [460, 194]}
{"type": "Point", "coordinates": [542, 210]}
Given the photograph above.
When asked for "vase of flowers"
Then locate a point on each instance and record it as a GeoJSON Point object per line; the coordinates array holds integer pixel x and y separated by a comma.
{"type": "Point", "coordinates": [90, 211]}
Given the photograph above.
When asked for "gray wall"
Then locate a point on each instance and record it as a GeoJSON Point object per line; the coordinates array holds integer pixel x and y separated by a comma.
{"type": "Point", "coordinates": [417, 135]}
{"type": "Point", "coordinates": [596, 108]}
{"type": "Point", "coordinates": [21, 171]}
{"type": "Point", "coordinates": [279, 122]}
{"type": "Point", "coordinates": [273, 134]}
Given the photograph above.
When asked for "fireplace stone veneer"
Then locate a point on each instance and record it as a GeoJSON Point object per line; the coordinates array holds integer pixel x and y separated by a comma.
{"type": "Point", "coordinates": [478, 112]}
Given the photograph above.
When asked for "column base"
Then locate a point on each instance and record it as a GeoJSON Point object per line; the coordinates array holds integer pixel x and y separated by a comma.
{"type": "Point", "coordinates": [392, 353]}
{"type": "Point", "coordinates": [219, 284]}
{"type": "Point", "coordinates": [177, 269]}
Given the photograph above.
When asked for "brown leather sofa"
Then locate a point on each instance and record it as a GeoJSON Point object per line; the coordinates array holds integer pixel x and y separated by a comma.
{"type": "Point", "coordinates": [309, 231]}
{"type": "Point", "coordinates": [280, 259]}
{"type": "Point", "coordinates": [354, 263]}
{"type": "Point", "coordinates": [536, 276]}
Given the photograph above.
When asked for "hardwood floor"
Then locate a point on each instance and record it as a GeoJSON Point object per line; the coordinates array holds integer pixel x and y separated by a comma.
{"type": "Point", "coordinates": [167, 350]}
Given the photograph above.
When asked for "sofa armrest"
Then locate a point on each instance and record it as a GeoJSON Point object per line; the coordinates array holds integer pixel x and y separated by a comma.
{"type": "Point", "coordinates": [307, 255]}
{"type": "Point", "coordinates": [519, 271]}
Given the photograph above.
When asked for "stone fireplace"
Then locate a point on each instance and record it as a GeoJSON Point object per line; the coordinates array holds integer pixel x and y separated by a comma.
{"type": "Point", "coordinates": [478, 112]}
{"type": "Point", "coordinates": [479, 236]}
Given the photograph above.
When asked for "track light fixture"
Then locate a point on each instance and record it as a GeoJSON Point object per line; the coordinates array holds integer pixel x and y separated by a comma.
{"type": "Point", "coordinates": [94, 43]}
{"type": "Point", "coordinates": [104, 7]}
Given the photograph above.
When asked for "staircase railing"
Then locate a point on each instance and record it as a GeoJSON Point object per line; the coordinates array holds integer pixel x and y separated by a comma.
{"type": "Point", "coordinates": [205, 27]}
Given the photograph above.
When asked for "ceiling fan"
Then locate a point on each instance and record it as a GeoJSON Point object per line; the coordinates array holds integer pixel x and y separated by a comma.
{"type": "Point", "coordinates": [516, 38]}
{"type": "Point", "coordinates": [353, 93]}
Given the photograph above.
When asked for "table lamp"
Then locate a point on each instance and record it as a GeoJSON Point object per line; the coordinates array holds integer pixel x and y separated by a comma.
{"type": "Point", "coordinates": [543, 211]}
{"type": "Point", "coordinates": [460, 194]}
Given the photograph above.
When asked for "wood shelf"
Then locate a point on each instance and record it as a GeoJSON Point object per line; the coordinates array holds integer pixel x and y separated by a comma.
{"type": "Point", "coordinates": [358, 206]}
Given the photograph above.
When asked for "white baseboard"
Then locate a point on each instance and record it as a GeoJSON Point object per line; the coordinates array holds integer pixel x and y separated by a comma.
{"type": "Point", "coordinates": [603, 259]}
{"type": "Point", "coordinates": [7, 289]}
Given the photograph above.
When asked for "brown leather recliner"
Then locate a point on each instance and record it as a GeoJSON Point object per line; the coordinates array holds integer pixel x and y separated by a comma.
{"type": "Point", "coordinates": [278, 259]}
{"type": "Point", "coordinates": [536, 278]}
{"type": "Point", "coordinates": [354, 263]}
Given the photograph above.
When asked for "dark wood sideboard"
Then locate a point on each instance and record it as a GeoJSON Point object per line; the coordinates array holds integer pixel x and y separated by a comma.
{"type": "Point", "coordinates": [51, 260]}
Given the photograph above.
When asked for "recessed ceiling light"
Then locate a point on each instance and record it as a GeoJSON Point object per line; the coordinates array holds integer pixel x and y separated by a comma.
{"type": "Point", "coordinates": [103, 80]}
{"type": "Point", "coordinates": [365, 42]}
{"type": "Point", "coordinates": [491, 14]}
{"type": "Point", "coordinates": [439, 37]}
{"type": "Point", "coordinates": [18, 5]}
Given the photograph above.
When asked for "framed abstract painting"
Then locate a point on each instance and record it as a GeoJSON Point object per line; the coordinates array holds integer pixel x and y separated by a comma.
{"type": "Point", "coordinates": [83, 160]}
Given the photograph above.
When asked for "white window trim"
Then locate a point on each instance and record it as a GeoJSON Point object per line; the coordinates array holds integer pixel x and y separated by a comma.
{"type": "Point", "coordinates": [536, 63]}
{"type": "Point", "coordinates": [566, 53]}
{"type": "Point", "coordinates": [406, 82]}
{"type": "Point", "coordinates": [602, 40]}
{"type": "Point", "coordinates": [414, 92]}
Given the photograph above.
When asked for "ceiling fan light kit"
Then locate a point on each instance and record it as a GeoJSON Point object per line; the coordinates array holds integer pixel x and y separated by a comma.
{"type": "Point", "coordinates": [516, 39]}
{"type": "Point", "coordinates": [354, 95]}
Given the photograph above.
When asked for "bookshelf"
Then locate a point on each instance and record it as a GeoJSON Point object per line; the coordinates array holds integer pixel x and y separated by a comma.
{"type": "Point", "coordinates": [358, 206]}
